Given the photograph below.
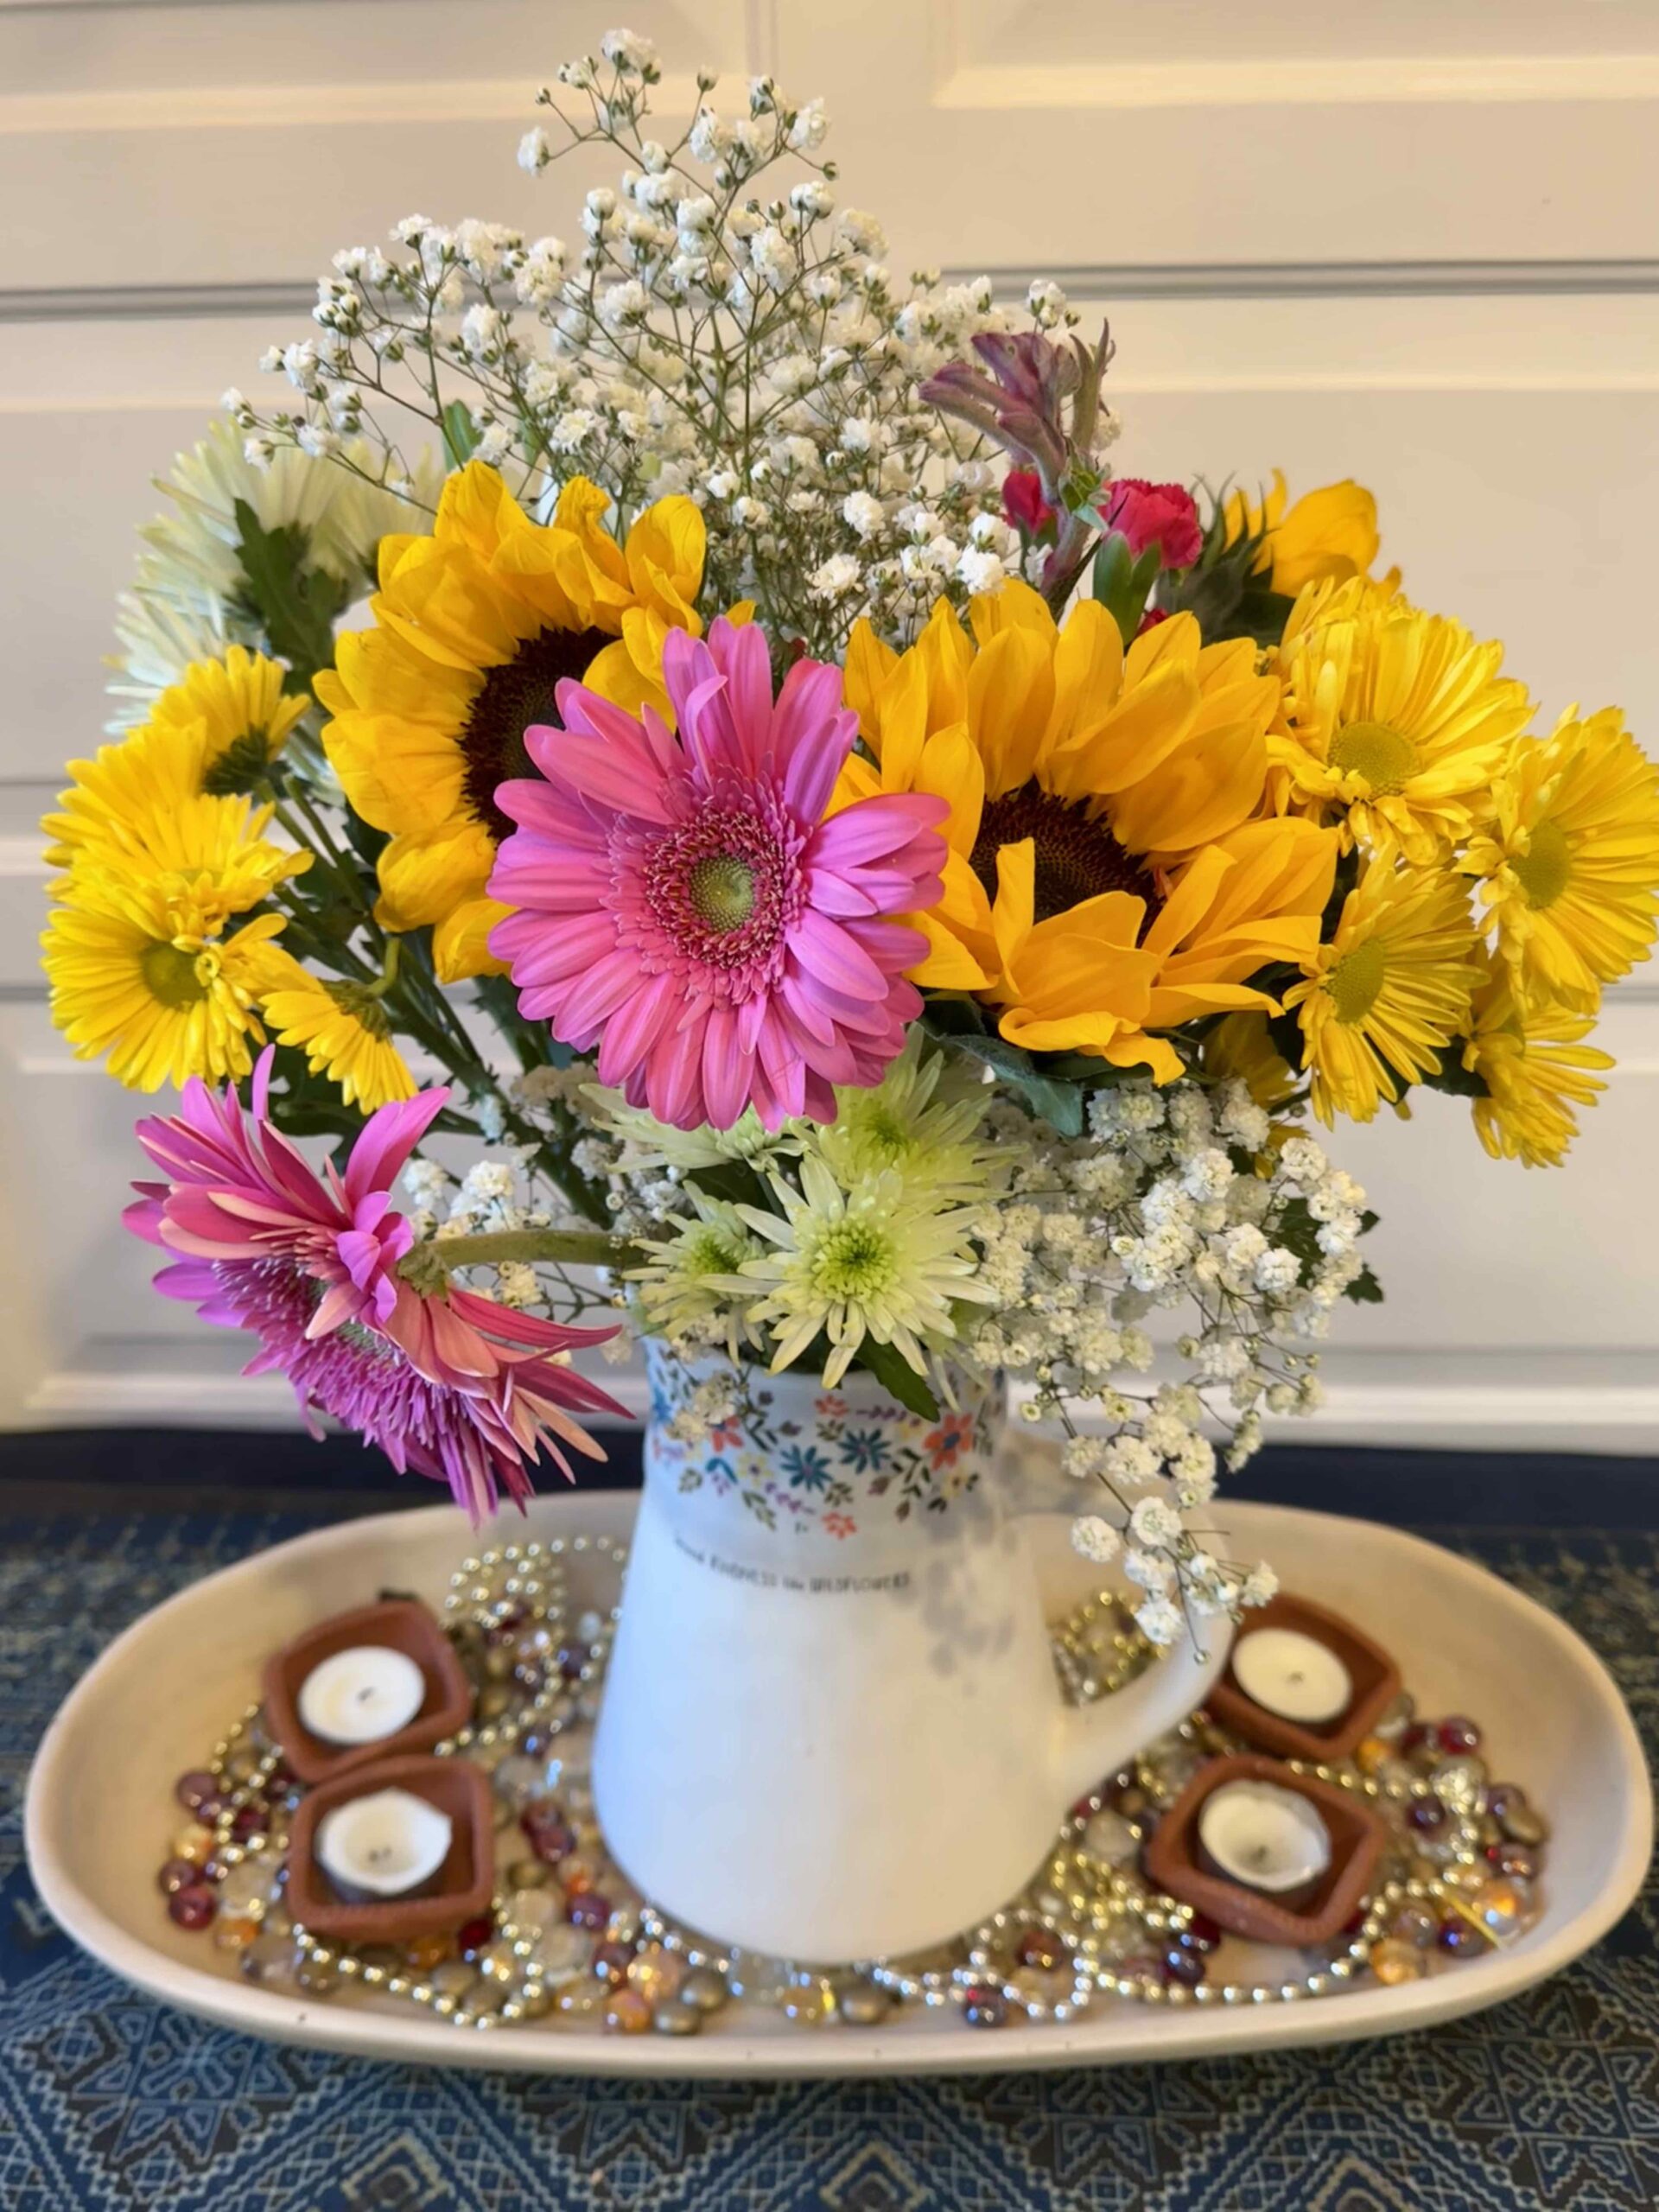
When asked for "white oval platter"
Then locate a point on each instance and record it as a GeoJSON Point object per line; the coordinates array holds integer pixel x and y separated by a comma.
{"type": "Point", "coordinates": [99, 1810]}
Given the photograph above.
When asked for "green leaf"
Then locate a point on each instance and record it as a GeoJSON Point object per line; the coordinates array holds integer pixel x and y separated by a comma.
{"type": "Point", "coordinates": [460, 438]}
{"type": "Point", "coordinates": [1450, 1075]}
{"type": "Point", "coordinates": [297, 605]}
{"type": "Point", "coordinates": [894, 1373]}
{"type": "Point", "coordinates": [1060, 1104]}
{"type": "Point", "coordinates": [1365, 1289]}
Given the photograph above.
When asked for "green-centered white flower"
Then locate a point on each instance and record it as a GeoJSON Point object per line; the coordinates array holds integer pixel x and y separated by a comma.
{"type": "Point", "coordinates": [922, 1122]}
{"type": "Point", "coordinates": [877, 1260]}
{"type": "Point", "coordinates": [691, 1285]}
{"type": "Point", "coordinates": [652, 1143]}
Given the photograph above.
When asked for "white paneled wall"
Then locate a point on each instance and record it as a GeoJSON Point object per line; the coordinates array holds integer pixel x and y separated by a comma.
{"type": "Point", "coordinates": [1417, 244]}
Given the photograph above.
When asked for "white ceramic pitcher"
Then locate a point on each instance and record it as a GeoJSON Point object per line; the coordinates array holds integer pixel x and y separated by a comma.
{"type": "Point", "coordinates": [831, 1727]}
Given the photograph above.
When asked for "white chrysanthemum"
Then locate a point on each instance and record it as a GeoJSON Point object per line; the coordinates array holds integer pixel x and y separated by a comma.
{"type": "Point", "coordinates": [652, 1143]}
{"type": "Point", "coordinates": [922, 1119]}
{"type": "Point", "coordinates": [691, 1285]}
{"type": "Point", "coordinates": [874, 1261]}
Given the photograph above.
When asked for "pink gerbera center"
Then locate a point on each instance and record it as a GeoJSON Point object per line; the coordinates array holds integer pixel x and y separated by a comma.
{"type": "Point", "coordinates": [720, 893]}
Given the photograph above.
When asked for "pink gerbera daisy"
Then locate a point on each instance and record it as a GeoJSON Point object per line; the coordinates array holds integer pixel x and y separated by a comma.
{"type": "Point", "coordinates": [682, 904]}
{"type": "Point", "coordinates": [453, 1385]}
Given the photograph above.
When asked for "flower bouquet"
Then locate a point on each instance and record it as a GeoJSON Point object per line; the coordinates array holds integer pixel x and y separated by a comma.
{"type": "Point", "coordinates": [874, 894]}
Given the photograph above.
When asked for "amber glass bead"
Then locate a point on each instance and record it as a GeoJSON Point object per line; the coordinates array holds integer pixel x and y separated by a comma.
{"type": "Point", "coordinates": [1393, 1960]}
{"type": "Point", "coordinates": [628, 2013]}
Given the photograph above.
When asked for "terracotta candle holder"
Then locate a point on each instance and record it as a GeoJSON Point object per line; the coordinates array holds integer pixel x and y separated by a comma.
{"type": "Point", "coordinates": [461, 1889]}
{"type": "Point", "coordinates": [396, 1623]}
{"type": "Point", "coordinates": [1175, 1861]}
{"type": "Point", "coordinates": [1375, 1677]}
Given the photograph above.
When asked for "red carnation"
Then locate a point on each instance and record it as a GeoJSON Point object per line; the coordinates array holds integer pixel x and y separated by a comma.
{"type": "Point", "coordinates": [1144, 514]}
{"type": "Point", "coordinates": [1023, 503]}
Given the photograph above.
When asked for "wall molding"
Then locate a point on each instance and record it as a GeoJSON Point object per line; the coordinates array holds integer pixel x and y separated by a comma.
{"type": "Point", "coordinates": [1098, 280]}
{"type": "Point", "coordinates": [1303, 80]}
{"type": "Point", "coordinates": [1543, 1415]}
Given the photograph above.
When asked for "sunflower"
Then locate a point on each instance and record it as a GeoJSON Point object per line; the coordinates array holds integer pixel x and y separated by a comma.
{"type": "Point", "coordinates": [1103, 874]}
{"type": "Point", "coordinates": [1396, 721]}
{"type": "Point", "coordinates": [138, 969]}
{"type": "Point", "coordinates": [475, 628]}
{"type": "Point", "coordinates": [213, 733]}
{"type": "Point", "coordinates": [340, 1026]}
{"type": "Point", "coordinates": [1536, 1067]}
{"type": "Point", "coordinates": [1384, 998]}
{"type": "Point", "coordinates": [1329, 533]}
{"type": "Point", "coordinates": [1569, 869]}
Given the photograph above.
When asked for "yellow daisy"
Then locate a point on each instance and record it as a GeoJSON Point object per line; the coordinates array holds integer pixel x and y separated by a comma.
{"type": "Point", "coordinates": [1330, 533]}
{"type": "Point", "coordinates": [1384, 998]}
{"type": "Point", "coordinates": [138, 972]}
{"type": "Point", "coordinates": [213, 732]}
{"type": "Point", "coordinates": [340, 1026]}
{"type": "Point", "coordinates": [1569, 869]}
{"type": "Point", "coordinates": [1396, 721]}
{"type": "Point", "coordinates": [475, 628]}
{"type": "Point", "coordinates": [1536, 1067]}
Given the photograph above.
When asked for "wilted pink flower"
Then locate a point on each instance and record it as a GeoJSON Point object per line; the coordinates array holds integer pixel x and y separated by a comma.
{"type": "Point", "coordinates": [1164, 515]}
{"type": "Point", "coordinates": [683, 904]}
{"type": "Point", "coordinates": [453, 1385]}
{"type": "Point", "coordinates": [1023, 504]}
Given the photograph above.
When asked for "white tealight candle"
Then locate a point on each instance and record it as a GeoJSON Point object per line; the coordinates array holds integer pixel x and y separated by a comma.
{"type": "Point", "coordinates": [1264, 1837]}
{"type": "Point", "coordinates": [1291, 1674]}
{"type": "Point", "coordinates": [383, 1845]}
{"type": "Point", "coordinates": [360, 1695]}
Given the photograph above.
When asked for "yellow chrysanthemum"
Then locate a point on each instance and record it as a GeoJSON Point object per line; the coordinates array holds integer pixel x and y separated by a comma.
{"type": "Point", "coordinates": [1384, 998]}
{"type": "Point", "coordinates": [340, 1026]}
{"type": "Point", "coordinates": [1536, 1067]}
{"type": "Point", "coordinates": [1103, 876]}
{"type": "Point", "coordinates": [1570, 867]}
{"type": "Point", "coordinates": [1396, 721]}
{"type": "Point", "coordinates": [1329, 533]}
{"type": "Point", "coordinates": [475, 627]}
{"type": "Point", "coordinates": [139, 971]}
{"type": "Point", "coordinates": [212, 735]}
{"type": "Point", "coordinates": [1239, 1048]}
{"type": "Point", "coordinates": [216, 849]}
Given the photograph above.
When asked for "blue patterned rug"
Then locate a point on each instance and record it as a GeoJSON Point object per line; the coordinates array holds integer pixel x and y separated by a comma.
{"type": "Point", "coordinates": [109, 2102]}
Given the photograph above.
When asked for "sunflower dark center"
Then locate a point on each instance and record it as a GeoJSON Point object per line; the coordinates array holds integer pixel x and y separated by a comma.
{"type": "Point", "coordinates": [513, 698]}
{"type": "Point", "coordinates": [1076, 858]}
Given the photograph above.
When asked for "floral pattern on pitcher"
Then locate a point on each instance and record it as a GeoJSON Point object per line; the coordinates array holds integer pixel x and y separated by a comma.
{"type": "Point", "coordinates": [875, 1459]}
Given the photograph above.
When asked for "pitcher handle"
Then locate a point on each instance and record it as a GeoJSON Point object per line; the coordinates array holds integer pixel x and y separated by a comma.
{"type": "Point", "coordinates": [1101, 1738]}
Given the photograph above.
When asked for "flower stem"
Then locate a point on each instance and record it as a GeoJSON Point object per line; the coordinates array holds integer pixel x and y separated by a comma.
{"type": "Point", "coordinates": [428, 1265]}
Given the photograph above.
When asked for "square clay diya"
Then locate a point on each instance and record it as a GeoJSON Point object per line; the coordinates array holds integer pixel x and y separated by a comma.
{"type": "Point", "coordinates": [1375, 1676]}
{"type": "Point", "coordinates": [461, 1889]}
{"type": "Point", "coordinates": [400, 1623]}
{"type": "Point", "coordinates": [1174, 1859]}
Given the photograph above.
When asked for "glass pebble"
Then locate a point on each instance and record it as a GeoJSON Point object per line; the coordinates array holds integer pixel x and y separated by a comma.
{"type": "Point", "coordinates": [536, 2000]}
{"type": "Point", "coordinates": [1460, 1784]}
{"type": "Point", "coordinates": [453, 1978]}
{"type": "Point", "coordinates": [1398, 1716]}
{"type": "Point", "coordinates": [194, 1906]}
{"type": "Point", "coordinates": [676, 2017]}
{"type": "Point", "coordinates": [499, 1961]}
{"type": "Point", "coordinates": [528, 1874]}
{"type": "Point", "coordinates": [1504, 1907]}
{"type": "Point", "coordinates": [704, 1990]}
{"type": "Point", "coordinates": [1524, 1860]}
{"type": "Point", "coordinates": [246, 1889]}
{"type": "Point", "coordinates": [811, 2002]}
{"type": "Point", "coordinates": [656, 1974]}
{"type": "Point", "coordinates": [473, 1934]}
{"type": "Point", "coordinates": [1043, 1987]}
{"type": "Point", "coordinates": [1394, 1960]}
{"type": "Point", "coordinates": [587, 1908]}
{"type": "Point", "coordinates": [1458, 1734]}
{"type": "Point", "coordinates": [425, 1952]}
{"type": "Point", "coordinates": [763, 1980]}
{"type": "Point", "coordinates": [269, 1960]}
{"type": "Point", "coordinates": [316, 1977]}
{"type": "Point", "coordinates": [194, 1843]}
{"type": "Point", "coordinates": [1428, 1816]}
{"type": "Point", "coordinates": [1460, 1936]}
{"type": "Point", "coordinates": [177, 1874]}
{"type": "Point", "coordinates": [195, 1788]}
{"type": "Point", "coordinates": [521, 1779]}
{"type": "Point", "coordinates": [560, 1954]}
{"type": "Point", "coordinates": [1521, 1825]}
{"type": "Point", "coordinates": [627, 2013]}
{"type": "Point", "coordinates": [533, 1911]}
{"type": "Point", "coordinates": [235, 1934]}
{"type": "Point", "coordinates": [1110, 1838]}
{"type": "Point", "coordinates": [863, 2004]}
{"type": "Point", "coordinates": [609, 1963]}
{"type": "Point", "coordinates": [1182, 1966]}
{"type": "Point", "coordinates": [984, 2008]}
{"type": "Point", "coordinates": [1415, 1925]}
